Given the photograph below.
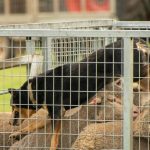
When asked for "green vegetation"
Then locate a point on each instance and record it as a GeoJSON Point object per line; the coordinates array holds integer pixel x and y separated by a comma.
{"type": "Point", "coordinates": [10, 78]}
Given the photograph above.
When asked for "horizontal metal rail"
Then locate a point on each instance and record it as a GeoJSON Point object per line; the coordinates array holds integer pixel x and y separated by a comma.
{"type": "Point", "coordinates": [17, 61]}
{"type": "Point", "coordinates": [80, 24]}
{"type": "Point", "coordinates": [72, 33]}
{"type": "Point", "coordinates": [62, 24]}
{"type": "Point", "coordinates": [132, 24]}
{"type": "Point", "coordinates": [2, 92]}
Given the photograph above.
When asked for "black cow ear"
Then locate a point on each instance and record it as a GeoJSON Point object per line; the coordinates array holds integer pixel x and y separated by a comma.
{"type": "Point", "coordinates": [11, 90]}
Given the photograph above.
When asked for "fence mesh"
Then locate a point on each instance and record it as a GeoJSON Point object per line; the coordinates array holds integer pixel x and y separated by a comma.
{"type": "Point", "coordinates": [75, 92]}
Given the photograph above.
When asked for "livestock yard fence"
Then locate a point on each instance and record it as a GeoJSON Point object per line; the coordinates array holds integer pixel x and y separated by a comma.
{"type": "Point", "coordinates": [117, 113]}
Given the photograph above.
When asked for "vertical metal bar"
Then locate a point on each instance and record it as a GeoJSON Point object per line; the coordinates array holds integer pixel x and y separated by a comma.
{"type": "Point", "coordinates": [128, 94]}
{"type": "Point", "coordinates": [30, 49]}
{"type": "Point", "coordinates": [46, 50]}
{"type": "Point", "coordinates": [30, 45]}
{"type": "Point", "coordinates": [44, 53]}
